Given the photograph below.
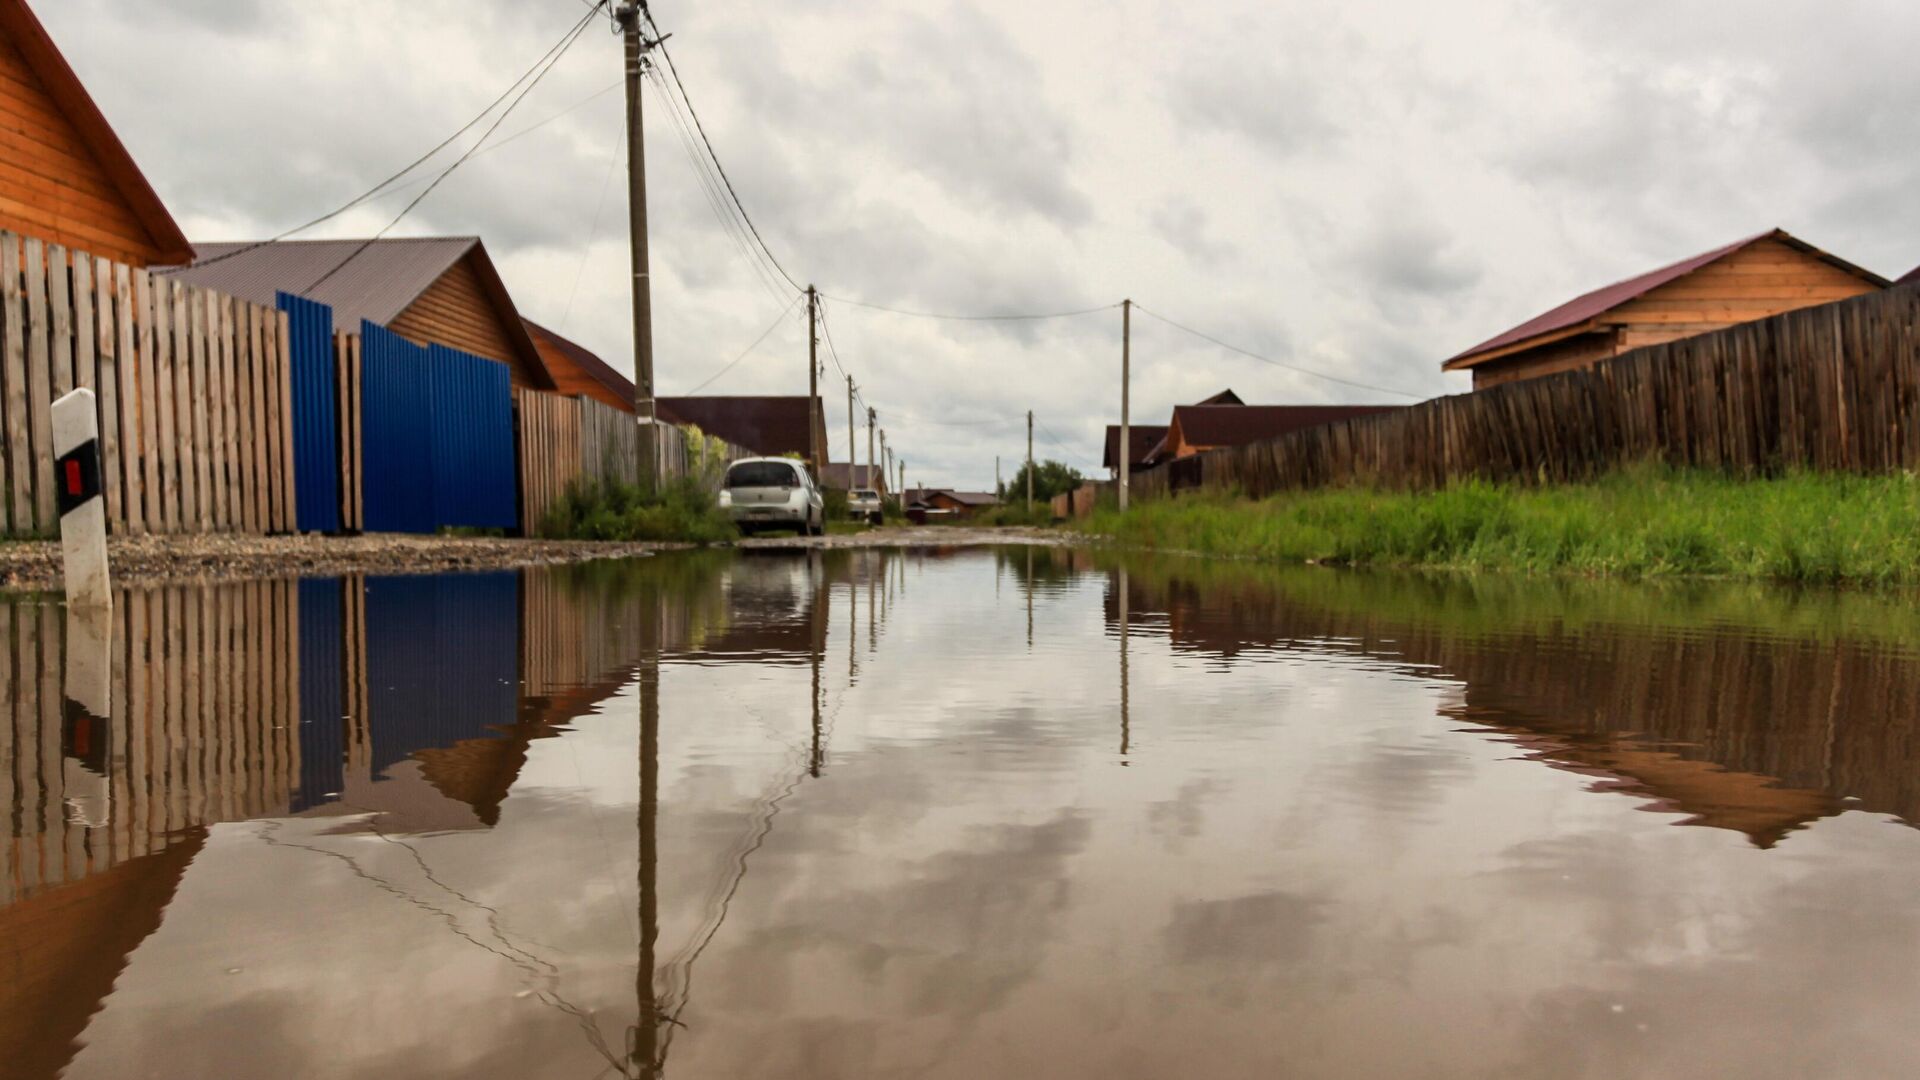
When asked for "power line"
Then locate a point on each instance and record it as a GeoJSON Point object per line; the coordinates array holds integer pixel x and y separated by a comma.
{"type": "Point", "coordinates": [708, 143]}
{"type": "Point", "coordinates": [376, 189]}
{"type": "Point", "coordinates": [729, 365]}
{"type": "Point", "coordinates": [556, 54]}
{"type": "Point", "coordinates": [1061, 446]}
{"type": "Point", "coordinates": [1276, 363]}
{"type": "Point", "coordinates": [600, 205]}
{"type": "Point", "coordinates": [1008, 317]}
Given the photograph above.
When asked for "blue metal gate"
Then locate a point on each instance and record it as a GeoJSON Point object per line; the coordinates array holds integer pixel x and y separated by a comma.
{"type": "Point", "coordinates": [436, 437]}
{"type": "Point", "coordinates": [316, 432]}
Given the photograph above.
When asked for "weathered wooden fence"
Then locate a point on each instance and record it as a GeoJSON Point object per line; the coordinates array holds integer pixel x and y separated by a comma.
{"type": "Point", "coordinates": [1835, 387]}
{"type": "Point", "coordinates": [193, 392]}
{"type": "Point", "coordinates": [564, 441]}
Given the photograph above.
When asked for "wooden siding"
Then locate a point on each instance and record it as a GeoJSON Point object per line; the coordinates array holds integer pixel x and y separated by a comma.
{"type": "Point", "coordinates": [1761, 280]}
{"type": "Point", "coordinates": [456, 311]}
{"type": "Point", "coordinates": [571, 380]}
{"type": "Point", "coordinates": [51, 185]}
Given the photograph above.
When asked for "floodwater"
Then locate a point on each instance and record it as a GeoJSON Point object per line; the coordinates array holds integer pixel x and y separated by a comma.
{"type": "Point", "coordinates": [988, 813]}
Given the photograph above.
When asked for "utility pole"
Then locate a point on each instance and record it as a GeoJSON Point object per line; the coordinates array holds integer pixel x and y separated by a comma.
{"type": "Point", "coordinates": [997, 482]}
{"type": "Point", "coordinates": [814, 424]}
{"type": "Point", "coordinates": [1029, 461]}
{"type": "Point", "coordinates": [851, 456]}
{"type": "Point", "coordinates": [1126, 385]}
{"type": "Point", "coordinates": [628, 17]}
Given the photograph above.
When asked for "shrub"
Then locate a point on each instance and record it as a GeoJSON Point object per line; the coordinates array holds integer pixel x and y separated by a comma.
{"type": "Point", "coordinates": [682, 510]}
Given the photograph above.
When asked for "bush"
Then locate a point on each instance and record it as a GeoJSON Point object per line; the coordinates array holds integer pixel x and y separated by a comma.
{"type": "Point", "coordinates": [1015, 513]}
{"type": "Point", "coordinates": [683, 510]}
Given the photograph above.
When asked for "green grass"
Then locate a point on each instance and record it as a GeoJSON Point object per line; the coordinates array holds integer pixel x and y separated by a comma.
{"type": "Point", "coordinates": [683, 511]}
{"type": "Point", "coordinates": [1646, 522]}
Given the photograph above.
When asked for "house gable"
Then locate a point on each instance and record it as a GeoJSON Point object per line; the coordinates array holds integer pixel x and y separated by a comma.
{"type": "Point", "coordinates": [64, 175]}
{"type": "Point", "coordinates": [459, 311]}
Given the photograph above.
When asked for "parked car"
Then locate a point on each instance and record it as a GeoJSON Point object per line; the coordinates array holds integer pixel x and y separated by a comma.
{"type": "Point", "coordinates": [773, 493]}
{"type": "Point", "coordinates": [863, 504]}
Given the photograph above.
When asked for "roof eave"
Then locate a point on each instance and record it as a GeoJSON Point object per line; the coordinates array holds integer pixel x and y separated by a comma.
{"type": "Point", "coordinates": [1470, 360]}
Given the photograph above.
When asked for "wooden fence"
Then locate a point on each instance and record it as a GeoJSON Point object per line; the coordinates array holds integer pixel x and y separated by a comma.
{"type": "Point", "coordinates": [566, 440]}
{"type": "Point", "coordinates": [1835, 387]}
{"type": "Point", "coordinates": [193, 392]}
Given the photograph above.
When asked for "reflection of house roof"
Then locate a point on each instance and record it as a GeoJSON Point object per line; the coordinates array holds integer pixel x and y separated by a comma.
{"type": "Point", "coordinates": [1590, 305]}
{"type": "Point", "coordinates": [768, 426]}
{"type": "Point", "coordinates": [66, 946]}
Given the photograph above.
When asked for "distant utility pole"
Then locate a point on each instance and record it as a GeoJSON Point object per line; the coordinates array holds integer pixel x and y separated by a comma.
{"type": "Point", "coordinates": [851, 456]}
{"type": "Point", "coordinates": [1029, 460]}
{"type": "Point", "coordinates": [637, 47]}
{"type": "Point", "coordinates": [870, 480]}
{"type": "Point", "coordinates": [997, 482]}
{"type": "Point", "coordinates": [814, 424]}
{"type": "Point", "coordinates": [1126, 385]}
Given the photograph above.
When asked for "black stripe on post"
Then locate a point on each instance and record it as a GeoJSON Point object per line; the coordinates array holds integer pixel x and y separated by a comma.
{"type": "Point", "coordinates": [76, 476]}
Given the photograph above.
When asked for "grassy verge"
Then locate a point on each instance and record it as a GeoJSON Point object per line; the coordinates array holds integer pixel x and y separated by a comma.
{"type": "Point", "coordinates": [683, 511]}
{"type": "Point", "coordinates": [1645, 522]}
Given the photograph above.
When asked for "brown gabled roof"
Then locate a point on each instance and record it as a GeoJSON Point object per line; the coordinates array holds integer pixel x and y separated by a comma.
{"type": "Point", "coordinates": [23, 28]}
{"type": "Point", "coordinates": [847, 477]}
{"type": "Point", "coordinates": [1224, 397]}
{"type": "Point", "coordinates": [768, 426]}
{"type": "Point", "coordinates": [1143, 437]}
{"type": "Point", "coordinates": [584, 358]}
{"type": "Point", "coordinates": [968, 498]}
{"type": "Point", "coordinates": [1238, 425]}
{"type": "Point", "coordinates": [1576, 313]}
{"type": "Point", "coordinates": [375, 284]}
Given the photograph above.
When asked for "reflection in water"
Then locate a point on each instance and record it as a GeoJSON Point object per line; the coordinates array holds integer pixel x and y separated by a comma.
{"type": "Point", "coordinates": [378, 826]}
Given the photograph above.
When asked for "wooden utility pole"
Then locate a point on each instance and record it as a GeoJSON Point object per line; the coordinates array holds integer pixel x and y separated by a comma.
{"type": "Point", "coordinates": [1126, 385]}
{"type": "Point", "coordinates": [851, 456]}
{"type": "Point", "coordinates": [815, 452]}
{"type": "Point", "coordinates": [628, 17]}
{"type": "Point", "coordinates": [870, 480]}
{"type": "Point", "coordinates": [1029, 461]}
{"type": "Point", "coordinates": [997, 482]}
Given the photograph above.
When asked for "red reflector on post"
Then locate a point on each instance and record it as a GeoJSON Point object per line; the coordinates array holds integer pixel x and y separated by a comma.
{"type": "Point", "coordinates": [73, 478]}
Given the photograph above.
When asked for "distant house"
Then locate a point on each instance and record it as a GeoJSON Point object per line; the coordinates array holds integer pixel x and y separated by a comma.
{"type": "Point", "coordinates": [768, 426]}
{"type": "Point", "coordinates": [1197, 428]}
{"type": "Point", "coordinates": [947, 501]}
{"type": "Point", "coordinates": [576, 370]}
{"type": "Point", "coordinates": [65, 177]}
{"type": "Point", "coordinates": [842, 477]}
{"type": "Point", "coordinates": [1752, 279]}
{"type": "Point", "coordinates": [1142, 438]}
{"type": "Point", "coordinates": [431, 291]}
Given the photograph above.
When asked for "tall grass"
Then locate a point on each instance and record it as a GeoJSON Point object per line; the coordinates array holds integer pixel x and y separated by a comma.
{"type": "Point", "coordinates": [1644, 522]}
{"type": "Point", "coordinates": [683, 510]}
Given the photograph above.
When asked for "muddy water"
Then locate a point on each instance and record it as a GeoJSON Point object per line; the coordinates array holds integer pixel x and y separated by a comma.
{"type": "Point", "coordinates": [1020, 813]}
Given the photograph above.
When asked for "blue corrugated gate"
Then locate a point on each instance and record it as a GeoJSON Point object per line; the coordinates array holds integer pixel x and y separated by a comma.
{"type": "Point", "coordinates": [316, 433]}
{"type": "Point", "coordinates": [473, 474]}
{"type": "Point", "coordinates": [436, 437]}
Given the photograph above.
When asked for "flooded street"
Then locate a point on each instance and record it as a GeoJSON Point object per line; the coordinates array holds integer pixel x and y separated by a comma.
{"type": "Point", "coordinates": [1034, 812]}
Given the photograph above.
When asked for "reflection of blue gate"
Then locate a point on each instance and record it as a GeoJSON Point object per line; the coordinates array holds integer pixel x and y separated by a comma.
{"type": "Point", "coordinates": [323, 737]}
{"type": "Point", "coordinates": [316, 436]}
{"type": "Point", "coordinates": [436, 437]}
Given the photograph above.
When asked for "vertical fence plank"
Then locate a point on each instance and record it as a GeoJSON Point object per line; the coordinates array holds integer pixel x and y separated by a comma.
{"type": "Point", "coordinates": [106, 346]}
{"type": "Point", "coordinates": [283, 370]}
{"type": "Point", "coordinates": [60, 318]}
{"type": "Point", "coordinates": [85, 353]}
{"type": "Point", "coordinates": [198, 379]}
{"type": "Point", "coordinates": [257, 408]}
{"type": "Point", "coordinates": [220, 408]}
{"type": "Point", "coordinates": [39, 387]}
{"type": "Point", "coordinates": [14, 356]}
{"type": "Point", "coordinates": [166, 447]}
{"type": "Point", "coordinates": [247, 475]}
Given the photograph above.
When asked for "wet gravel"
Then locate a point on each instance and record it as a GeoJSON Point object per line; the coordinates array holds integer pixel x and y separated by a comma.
{"type": "Point", "coordinates": [35, 564]}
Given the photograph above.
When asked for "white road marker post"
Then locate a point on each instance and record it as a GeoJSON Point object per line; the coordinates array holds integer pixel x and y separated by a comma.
{"type": "Point", "coordinates": [83, 512]}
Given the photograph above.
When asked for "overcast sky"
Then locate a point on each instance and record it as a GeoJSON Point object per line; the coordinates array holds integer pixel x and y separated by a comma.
{"type": "Point", "coordinates": [1362, 189]}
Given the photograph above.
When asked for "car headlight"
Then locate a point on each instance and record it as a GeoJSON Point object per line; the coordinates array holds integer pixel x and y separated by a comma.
{"type": "Point", "coordinates": [726, 499]}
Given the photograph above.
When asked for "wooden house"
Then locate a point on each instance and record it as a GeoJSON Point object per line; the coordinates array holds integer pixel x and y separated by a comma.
{"type": "Point", "coordinates": [844, 477]}
{"type": "Point", "coordinates": [1143, 438]}
{"type": "Point", "coordinates": [429, 290]}
{"type": "Point", "coordinates": [576, 370]}
{"type": "Point", "coordinates": [1751, 279]}
{"type": "Point", "coordinates": [65, 177]}
{"type": "Point", "coordinates": [1198, 428]}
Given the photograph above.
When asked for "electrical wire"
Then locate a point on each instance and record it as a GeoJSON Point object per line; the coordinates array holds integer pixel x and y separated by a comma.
{"type": "Point", "coordinates": [599, 207]}
{"type": "Point", "coordinates": [1061, 446]}
{"type": "Point", "coordinates": [565, 41]}
{"type": "Point", "coordinates": [556, 55]}
{"type": "Point", "coordinates": [1277, 363]}
{"type": "Point", "coordinates": [1012, 317]}
{"type": "Point", "coordinates": [729, 365]}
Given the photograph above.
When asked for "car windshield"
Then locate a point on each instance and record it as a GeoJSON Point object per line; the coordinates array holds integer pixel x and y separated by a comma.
{"type": "Point", "coordinates": [865, 493]}
{"type": "Point", "coordinates": [752, 474]}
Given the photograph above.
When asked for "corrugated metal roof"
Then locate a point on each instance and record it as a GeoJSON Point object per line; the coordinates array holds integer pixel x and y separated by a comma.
{"type": "Point", "coordinates": [1237, 425]}
{"type": "Point", "coordinates": [377, 285]}
{"type": "Point", "coordinates": [768, 426]}
{"type": "Point", "coordinates": [1600, 301]}
{"type": "Point", "coordinates": [1144, 438]}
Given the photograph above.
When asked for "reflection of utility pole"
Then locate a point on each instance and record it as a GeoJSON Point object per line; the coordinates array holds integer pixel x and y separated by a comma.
{"type": "Point", "coordinates": [1126, 720]}
{"type": "Point", "coordinates": [645, 1051]}
{"type": "Point", "coordinates": [817, 623]}
{"type": "Point", "coordinates": [1029, 591]}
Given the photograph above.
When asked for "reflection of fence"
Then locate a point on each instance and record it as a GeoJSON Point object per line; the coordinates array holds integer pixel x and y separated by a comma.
{"type": "Point", "coordinates": [193, 393]}
{"type": "Point", "coordinates": [567, 440]}
{"type": "Point", "coordinates": [1829, 387]}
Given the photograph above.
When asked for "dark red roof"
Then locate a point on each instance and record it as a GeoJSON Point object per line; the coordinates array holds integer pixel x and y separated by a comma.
{"type": "Point", "coordinates": [1237, 425]}
{"type": "Point", "coordinates": [1224, 397]}
{"type": "Point", "coordinates": [768, 426]}
{"type": "Point", "coordinates": [1909, 277]}
{"type": "Point", "coordinates": [19, 24]}
{"type": "Point", "coordinates": [1144, 438]}
{"type": "Point", "coordinates": [847, 477]}
{"type": "Point", "coordinates": [1600, 301]}
{"type": "Point", "coordinates": [586, 361]}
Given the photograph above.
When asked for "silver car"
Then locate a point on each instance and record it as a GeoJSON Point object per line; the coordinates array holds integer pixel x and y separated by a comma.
{"type": "Point", "coordinates": [863, 504]}
{"type": "Point", "coordinates": [773, 493]}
